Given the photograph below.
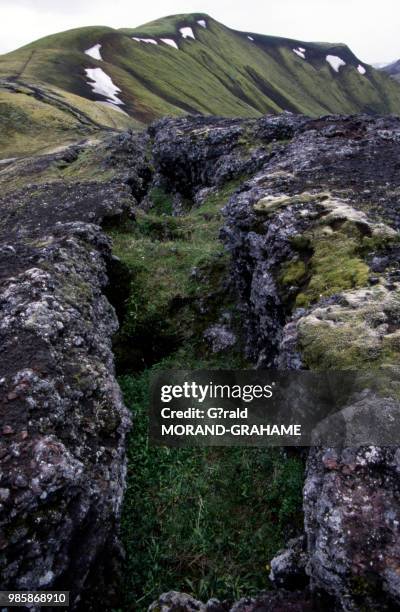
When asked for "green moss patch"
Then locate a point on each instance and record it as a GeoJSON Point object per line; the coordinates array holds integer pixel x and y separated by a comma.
{"type": "Point", "coordinates": [293, 272]}
{"type": "Point", "coordinates": [335, 265]}
{"type": "Point", "coordinates": [333, 253]}
{"type": "Point", "coordinates": [353, 334]}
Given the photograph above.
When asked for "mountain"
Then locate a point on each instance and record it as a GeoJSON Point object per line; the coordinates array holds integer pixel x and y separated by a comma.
{"type": "Point", "coordinates": [70, 84]}
{"type": "Point", "coordinates": [393, 70]}
{"type": "Point", "coordinates": [379, 65]}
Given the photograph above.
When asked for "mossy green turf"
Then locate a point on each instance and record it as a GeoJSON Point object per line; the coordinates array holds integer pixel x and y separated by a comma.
{"type": "Point", "coordinates": [184, 525]}
{"type": "Point", "coordinates": [88, 166]}
{"type": "Point", "coordinates": [352, 331]}
{"type": "Point", "coordinates": [222, 72]}
{"type": "Point", "coordinates": [336, 264]}
{"type": "Point", "coordinates": [41, 123]}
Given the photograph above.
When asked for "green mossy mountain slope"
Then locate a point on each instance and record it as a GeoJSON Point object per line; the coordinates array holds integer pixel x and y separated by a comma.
{"type": "Point", "coordinates": [203, 68]}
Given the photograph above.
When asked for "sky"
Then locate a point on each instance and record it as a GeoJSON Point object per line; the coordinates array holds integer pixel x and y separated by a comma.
{"type": "Point", "coordinates": [371, 29]}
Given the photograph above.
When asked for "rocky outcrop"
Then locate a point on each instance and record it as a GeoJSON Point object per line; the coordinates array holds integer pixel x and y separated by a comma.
{"type": "Point", "coordinates": [313, 237]}
{"type": "Point", "coordinates": [308, 234]}
{"type": "Point", "coordinates": [63, 422]}
{"type": "Point", "coordinates": [288, 568]}
{"type": "Point", "coordinates": [278, 601]}
{"type": "Point", "coordinates": [351, 501]}
{"type": "Point", "coordinates": [312, 231]}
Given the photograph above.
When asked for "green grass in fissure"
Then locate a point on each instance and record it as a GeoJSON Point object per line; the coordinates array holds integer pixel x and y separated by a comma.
{"type": "Point", "coordinates": [173, 264]}
{"type": "Point", "coordinates": [162, 201]}
{"type": "Point", "coordinates": [185, 527]}
{"type": "Point", "coordinates": [203, 521]}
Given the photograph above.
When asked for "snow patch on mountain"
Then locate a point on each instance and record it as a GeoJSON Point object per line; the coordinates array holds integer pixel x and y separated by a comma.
{"type": "Point", "coordinates": [251, 38]}
{"type": "Point", "coordinates": [335, 62]}
{"type": "Point", "coordinates": [202, 23]}
{"type": "Point", "coordinates": [300, 52]}
{"type": "Point", "coordinates": [361, 69]}
{"type": "Point", "coordinates": [103, 85]}
{"type": "Point", "coordinates": [187, 32]}
{"type": "Point", "coordinates": [170, 42]}
{"type": "Point", "coordinates": [145, 40]}
{"type": "Point", "coordinates": [94, 52]}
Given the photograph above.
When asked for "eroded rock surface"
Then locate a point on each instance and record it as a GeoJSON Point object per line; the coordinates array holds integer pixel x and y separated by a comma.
{"type": "Point", "coordinates": [312, 231]}
{"type": "Point", "coordinates": [314, 242]}
{"type": "Point", "coordinates": [63, 422]}
{"type": "Point", "coordinates": [313, 236]}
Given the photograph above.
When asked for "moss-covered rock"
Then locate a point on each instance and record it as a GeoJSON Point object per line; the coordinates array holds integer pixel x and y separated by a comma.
{"type": "Point", "coordinates": [293, 272]}
{"type": "Point", "coordinates": [271, 203]}
{"type": "Point", "coordinates": [354, 333]}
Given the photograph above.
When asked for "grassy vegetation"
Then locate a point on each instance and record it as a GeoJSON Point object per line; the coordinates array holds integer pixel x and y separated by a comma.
{"type": "Point", "coordinates": [158, 80]}
{"type": "Point", "coordinates": [173, 262]}
{"type": "Point", "coordinates": [28, 125]}
{"type": "Point", "coordinates": [32, 124]}
{"type": "Point", "coordinates": [185, 526]}
{"type": "Point", "coordinates": [166, 26]}
{"type": "Point", "coordinates": [88, 165]}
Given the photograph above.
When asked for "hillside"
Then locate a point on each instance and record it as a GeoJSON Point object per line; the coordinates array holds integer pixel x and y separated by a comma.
{"type": "Point", "coordinates": [70, 84]}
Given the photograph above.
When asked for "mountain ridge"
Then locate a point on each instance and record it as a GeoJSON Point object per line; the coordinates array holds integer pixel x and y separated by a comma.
{"type": "Point", "coordinates": [184, 64]}
{"type": "Point", "coordinates": [393, 70]}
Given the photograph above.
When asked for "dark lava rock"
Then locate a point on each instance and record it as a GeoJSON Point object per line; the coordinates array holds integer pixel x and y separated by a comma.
{"type": "Point", "coordinates": [288, 567]}
{"type": "Point", "coordinates": [268, 601]}
{"type": "Point", "coordinates": [62, 419]}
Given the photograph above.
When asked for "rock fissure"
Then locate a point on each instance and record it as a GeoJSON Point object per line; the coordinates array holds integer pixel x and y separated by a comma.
{"type": "Point", "coordinates": [310, 230]}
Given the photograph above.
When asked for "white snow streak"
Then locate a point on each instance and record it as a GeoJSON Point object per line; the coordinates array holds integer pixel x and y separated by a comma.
{"type": "Point", "coordinates": [145, 40]}
{"type": "Point", "coordinates": [335, 62]}
{"type": "Point", "coordinates": [202, 23]}
{"type": "Point", "coordinates": [251, 38]}
{"type": "Point", "coordinates": [361, 69]}
{"type": "Point", "coordinates": [300, 52]}
{"type": "Point", "coordinates": [103, 85]}
{"type": "Point", "coordinates": [94, 52]}
{"type": "Point", "coordinates": [187, 32]}
{"type": "Point", "coordinates": [170, 42]}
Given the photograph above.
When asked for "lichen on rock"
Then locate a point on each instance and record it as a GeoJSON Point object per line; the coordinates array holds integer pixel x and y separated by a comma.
{"type": "Point", "coordinates": [311, 265]}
